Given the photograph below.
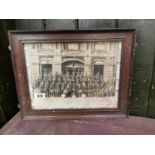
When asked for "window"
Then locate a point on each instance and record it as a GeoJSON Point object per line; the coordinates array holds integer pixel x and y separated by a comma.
{"type": "Point", "coordinates": [98, 69]}
{"type": "Point", "coordinates": [46, 69]}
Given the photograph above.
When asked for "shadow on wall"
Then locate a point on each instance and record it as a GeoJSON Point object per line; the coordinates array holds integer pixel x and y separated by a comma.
{"type": "Point", "coordinates": [8, 96]}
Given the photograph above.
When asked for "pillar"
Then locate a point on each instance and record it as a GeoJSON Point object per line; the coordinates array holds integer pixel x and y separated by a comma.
{"type": "Point", "coordinates": [87, 60]}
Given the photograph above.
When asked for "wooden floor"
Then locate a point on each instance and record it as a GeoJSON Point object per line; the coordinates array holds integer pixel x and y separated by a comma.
{"type": "Point", "coordinates": [123, 126]}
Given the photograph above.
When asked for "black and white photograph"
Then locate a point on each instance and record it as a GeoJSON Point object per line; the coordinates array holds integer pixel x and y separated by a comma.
{"type": "Point", "coordinates": [73, 75]}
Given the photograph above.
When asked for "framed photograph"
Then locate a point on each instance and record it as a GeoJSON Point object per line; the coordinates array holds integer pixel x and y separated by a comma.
{"type": "Point", "coordinates": [73, 74]}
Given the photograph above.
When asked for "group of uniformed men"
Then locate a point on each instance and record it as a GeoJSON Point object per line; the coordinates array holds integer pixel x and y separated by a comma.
{"type": "Point", "coordinates": [76, 84]}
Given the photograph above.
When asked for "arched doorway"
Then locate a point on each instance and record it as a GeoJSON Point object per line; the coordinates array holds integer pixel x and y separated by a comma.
{"type": "Point", "coordinates": [73, 66]}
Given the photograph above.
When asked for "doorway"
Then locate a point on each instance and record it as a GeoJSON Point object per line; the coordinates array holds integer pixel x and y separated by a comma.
{"type": "Point", "coordinates": [72, 67]}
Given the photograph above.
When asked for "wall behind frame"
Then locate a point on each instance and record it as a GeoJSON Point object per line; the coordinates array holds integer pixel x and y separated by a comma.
{"type": "Point", "coordinates": [143, 95]}
{"type": "Point", "coordinates": [143, 89]}
{"type": "Point", "coordinates": [8, 97]}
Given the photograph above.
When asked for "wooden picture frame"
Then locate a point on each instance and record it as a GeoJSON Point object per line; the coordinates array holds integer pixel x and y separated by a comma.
{"type": "Point", "coordinates": [89, 55]}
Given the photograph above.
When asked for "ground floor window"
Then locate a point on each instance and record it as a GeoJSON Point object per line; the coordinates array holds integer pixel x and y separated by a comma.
{"type": "Point", "coordinates": [46, 70]}
{"type": "Point", "coordinates": [98, 69]}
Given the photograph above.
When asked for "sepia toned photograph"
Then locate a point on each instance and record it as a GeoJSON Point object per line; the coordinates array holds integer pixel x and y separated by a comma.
{"type": "Point", "coordinates": [70, 74]}
{"type": "Point", "coordinates": [73, 75]}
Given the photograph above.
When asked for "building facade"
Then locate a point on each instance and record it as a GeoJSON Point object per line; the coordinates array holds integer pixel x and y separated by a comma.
{"type": "Point", "coordinates": [87, 58]}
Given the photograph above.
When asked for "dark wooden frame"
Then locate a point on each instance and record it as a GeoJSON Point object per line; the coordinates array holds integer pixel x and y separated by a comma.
{"type": "Point", "coordinates": [17, 38]}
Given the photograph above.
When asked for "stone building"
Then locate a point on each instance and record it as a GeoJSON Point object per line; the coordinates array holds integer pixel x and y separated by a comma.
{"type": "Point", "coordinates": [90, 58]}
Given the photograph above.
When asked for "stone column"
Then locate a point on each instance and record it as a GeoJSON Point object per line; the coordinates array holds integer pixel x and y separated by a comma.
{"type": "Point", "coordinates": [108, 70]}
{"type": "Point", "coordinates": [57, 62]}
{"type": "Point", "coordinates": [87, 60]}
{"type": "Point", "coordinates": [87, 65]}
